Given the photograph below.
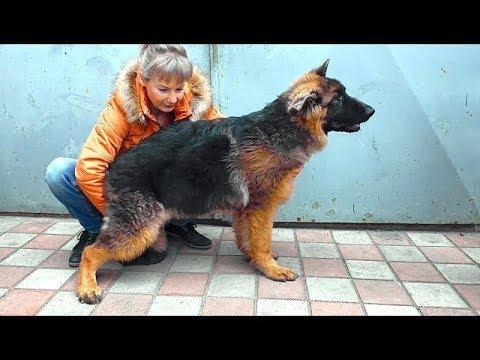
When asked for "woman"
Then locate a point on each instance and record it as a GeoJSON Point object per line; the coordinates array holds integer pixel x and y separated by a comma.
{"type": "Point", "coordinates": [157, 89]}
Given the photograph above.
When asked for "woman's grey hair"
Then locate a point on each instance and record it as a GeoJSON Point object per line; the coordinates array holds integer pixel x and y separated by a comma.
{"type": "Point", "coordinates": [164, 61]}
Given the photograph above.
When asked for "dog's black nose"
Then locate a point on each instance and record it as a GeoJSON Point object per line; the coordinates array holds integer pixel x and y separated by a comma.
{"type": "Point", "coordinates": [369, 111]}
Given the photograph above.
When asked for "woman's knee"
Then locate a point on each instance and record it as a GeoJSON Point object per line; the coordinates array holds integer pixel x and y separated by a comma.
{"type": "Point", "coordinates": [59, 170]}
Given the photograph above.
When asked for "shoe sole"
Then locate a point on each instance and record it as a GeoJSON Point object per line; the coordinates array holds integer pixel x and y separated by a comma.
{"type": "Point", "coordinates": [188, 244]}
{"type": "Point", "coordinates": [74, 265]}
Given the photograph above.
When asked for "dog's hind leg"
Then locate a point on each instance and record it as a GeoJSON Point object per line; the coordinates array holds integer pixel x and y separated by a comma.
{"type": "Point", "coordinates": [93, 257]}
{"type": "Point", "coordinates": [126, 248]}
{"type": "Point", "coordinates": [125, 235]}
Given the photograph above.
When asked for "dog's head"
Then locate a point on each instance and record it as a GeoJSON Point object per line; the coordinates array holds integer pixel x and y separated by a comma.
{"type": "Point", "coordinates": [323, 103]}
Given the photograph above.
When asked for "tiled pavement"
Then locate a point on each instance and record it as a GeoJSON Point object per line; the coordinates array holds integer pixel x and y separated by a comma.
{"type": "Point", "coordinates": [341, 273]}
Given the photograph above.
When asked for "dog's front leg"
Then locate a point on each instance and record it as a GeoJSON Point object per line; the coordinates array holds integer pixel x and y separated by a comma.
{"type": "Point", "coordinates": [240, 228]}
{"type": "Point", "coordinates": [260, 224]}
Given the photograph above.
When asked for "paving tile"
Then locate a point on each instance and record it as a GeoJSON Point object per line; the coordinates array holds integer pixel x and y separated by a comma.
{"type": "Point", "coordinates": [65, 304]}
{"type": "Point", "coordinates": [12, 275]}
{"type": "Point", "coordinates": [314, 235]}
{"type": "Point", "coordinates": [3, 291]}
{"type": "Point", "coordinates": [283, 235]}
{"type": "Point", "coordinates": [33, 226]}
{"type": "Point", "coordinates": [5, 252]}
{"type": "Point", "coordinates": [434, 295]}
{"type": "Point", "coordinates": [460, 273]}
{"type": "Point", "coordinates": [15, 240]}
{"type": "Point", "coordinates": [233, 264]}
{"type": "Point", "coordinates": [471, 293]}
{"type": "Point", "coordinates": [465, 239]}
{"type": "Point", "coordinates": [104, 280]}
{"type": "Point", "coordinates": [320, 308]}
{"type": "Point", "coordinates": [382, 292]}
{"type": "Point", "coordinates": [428, 311]}
{"type": "Point", "coordinates": [446, 255]}
{"type": "Point", "coordinates": [22, 302]}
{"type": "Point", "coordinates": [419, 272]}
{"type": "Point", "coordinates": [70, 227]}
{"type": "Point", "coordinates": [268, 307]}
{"type": "Point", "coordinates": [176, 306]}
{"type": "Point", "coordinates": [70, 244]}
{"type": "Point", "coordinates": [278, 235]}
{"type": "Point", "coordinates": [390, 310]}
{"type": "Point", "coordinates": [330, 289]}
{"type": "Point", "coordinates": [137, 282]}
{"type": "Point", "coordinates": [428, 239]}
{"type": "Point", "coordinates": [46, 279]}
{"type": "Point", "coordinates": [402, 253]}
{"type": "Point", "coordinates": [360, 252]}
{"type": "Point", "coordinates": [214, 306]}
{"type": "Point", "coordinates": [229, 285]}
{"type": "Point", "coordinates": [389, 238]}
{"type": "Point", "coordinates": [184, 284]}
{"type": "Point", "coordinates": [228, 234]}
{"type": "Point", "coordinates": [192, 263]}
{"type": "Point", "coordinates": [351, 237]}
{"type": "Point", "coordinates": [325, 268]}
{"type": "Point", "coordinates": [58, 260]}
{"type": "Point", "coordinates": [228, 248]}
{"type": "Point", "coordinates": [268, 289]}
{"type": "Point", "coordinates": [7, 223]}
{"type": "Point", "coordinates": [362, 269]}
{"type": "Point", "coordinates": [284, 248]}
{"type": "Point", "coordinates": [317, 250]}
{"type": "Point", "coordinates": [48, 241]}
{"type": "Point", "coordinates": [27, 257]}
{"type": "Point", "coordinates": [292, 263]}
{"type": "Point", "coordinates": [123, 305]}
{"type": "Point", "coordinates": [474, 253]}
{"type": "Point", "coordinates": [19, 219]}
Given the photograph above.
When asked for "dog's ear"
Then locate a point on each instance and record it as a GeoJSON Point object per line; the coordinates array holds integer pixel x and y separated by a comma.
{"type": "Point", "coordinates": [299, 102]}
{"type": "Point", "coordinates": [322, 70]}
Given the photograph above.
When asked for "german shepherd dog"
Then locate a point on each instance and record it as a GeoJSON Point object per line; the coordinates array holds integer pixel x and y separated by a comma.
{"type": "Point", "coordinates": [244, 166]}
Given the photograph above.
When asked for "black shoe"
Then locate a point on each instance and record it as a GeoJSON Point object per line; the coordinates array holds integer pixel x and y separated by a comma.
{"type": "Point", "coordinates": [149, 257]}
{"type": "Point", "coordinates": [84, 239]}
{"type": "Point", "coordinates": [188, 233]}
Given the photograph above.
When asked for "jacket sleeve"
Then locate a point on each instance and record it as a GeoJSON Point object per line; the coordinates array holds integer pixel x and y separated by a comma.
{"type": "Point", "coordinates": [98, 152]}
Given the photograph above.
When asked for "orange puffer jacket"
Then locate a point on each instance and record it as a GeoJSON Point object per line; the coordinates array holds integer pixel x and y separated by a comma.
{"type": "Point", "coordinates": [126, 121]}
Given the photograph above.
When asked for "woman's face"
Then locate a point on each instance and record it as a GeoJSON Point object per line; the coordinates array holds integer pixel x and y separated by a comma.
{"type": "Point", "coordinates": [163, 94]}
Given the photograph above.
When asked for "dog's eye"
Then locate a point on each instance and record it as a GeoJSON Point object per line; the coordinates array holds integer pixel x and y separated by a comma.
{"type": "Point", "coordinates": [338, 98]}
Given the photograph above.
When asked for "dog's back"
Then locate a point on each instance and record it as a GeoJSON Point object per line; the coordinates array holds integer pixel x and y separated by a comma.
{"type": "Point", "coordinates": [189, 167]}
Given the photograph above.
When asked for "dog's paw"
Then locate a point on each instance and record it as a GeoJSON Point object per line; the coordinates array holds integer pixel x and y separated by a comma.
{"type": "Point", "coordinates": [279, 273]}
{"type": "Point", "coordinates": [89, 295]}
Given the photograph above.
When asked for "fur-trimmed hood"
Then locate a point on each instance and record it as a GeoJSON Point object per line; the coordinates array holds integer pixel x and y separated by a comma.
{"type": "Point", "coordinates": [197, 91]}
